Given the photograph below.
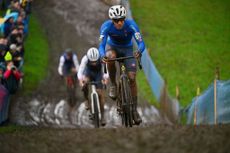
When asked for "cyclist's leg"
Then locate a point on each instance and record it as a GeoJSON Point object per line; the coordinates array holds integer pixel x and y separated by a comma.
{"type": "Point", "coordinates": [133, 86]}
{"type": "Point", "coordinates": [86, 92]}
{"type": "Point", "coordinates": [131, 69]}
{"type": "Point", "coordinates": [73, 73]}
{"type": "Point", "coordinates": [111, 53]}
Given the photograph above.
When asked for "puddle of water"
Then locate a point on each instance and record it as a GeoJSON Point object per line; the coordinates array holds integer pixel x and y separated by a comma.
{"type": "Point", "coordinates": [61, 115]}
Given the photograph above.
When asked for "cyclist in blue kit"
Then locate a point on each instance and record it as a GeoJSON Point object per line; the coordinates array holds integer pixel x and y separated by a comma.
{"type": "Point", "coordinates": [116, 41]}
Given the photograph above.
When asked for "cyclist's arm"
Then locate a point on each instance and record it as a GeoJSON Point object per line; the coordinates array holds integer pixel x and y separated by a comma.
{"type": "Point", "coordinates": [105, 75]}
{"type": "Point", "coordinates": [82, 67]}
{"type": "Point", "coordinates": [138, 37]}
{"type": "Point", "coordinates": [103, 38]}
{"type": "Point", "coordinates": [76, 63]}
{"type": "Point", "coordinates": [61, 63]}
{"type": "Point", "coordinates": [105, 72]}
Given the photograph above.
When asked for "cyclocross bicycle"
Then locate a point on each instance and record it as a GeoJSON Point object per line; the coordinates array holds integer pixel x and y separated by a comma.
{"type": "Point", "coordinates": [124, 97]}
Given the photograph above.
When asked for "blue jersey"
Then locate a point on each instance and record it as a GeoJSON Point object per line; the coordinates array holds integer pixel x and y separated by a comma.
{"type": "Point", "coordinates": [120, 37]}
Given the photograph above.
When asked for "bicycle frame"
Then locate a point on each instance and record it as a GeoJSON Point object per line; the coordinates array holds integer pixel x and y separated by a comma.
{"type": "Point", "coordinates": [70, 82]}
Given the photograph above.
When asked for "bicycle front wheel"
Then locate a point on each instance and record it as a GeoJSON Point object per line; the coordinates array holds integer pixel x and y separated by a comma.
{"type": "Point", "coordinates": [126, 103]}
{"type": "Point", "coordinates": [96, 112]}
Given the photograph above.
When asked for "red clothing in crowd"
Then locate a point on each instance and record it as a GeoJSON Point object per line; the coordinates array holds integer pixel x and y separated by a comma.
{"type": "Point", "coordinates": [16, 74]}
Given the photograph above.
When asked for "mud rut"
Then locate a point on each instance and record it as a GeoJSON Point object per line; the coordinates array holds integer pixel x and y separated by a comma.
{"type": "Point", "coordinates": [74, 24]}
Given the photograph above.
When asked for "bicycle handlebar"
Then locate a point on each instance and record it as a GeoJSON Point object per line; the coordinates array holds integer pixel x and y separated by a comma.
{"type": "Point", "coordinates": [119, 59]}
{"type": "Point", "coordinates": [94, 82]}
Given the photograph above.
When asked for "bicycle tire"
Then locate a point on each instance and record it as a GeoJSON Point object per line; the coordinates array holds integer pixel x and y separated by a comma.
{"type": "Point", "coordinates": [71, 88]}
{"type": "Point", "coordinates": [127, 103]}
{"type": "Point", "coordinates": [121, 102]}
{"type": "Point", "coordinates": [96, 112]}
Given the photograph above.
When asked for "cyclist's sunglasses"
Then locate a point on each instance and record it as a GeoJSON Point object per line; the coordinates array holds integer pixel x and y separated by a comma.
{"type": "Point", "coordinates": [117, 20]}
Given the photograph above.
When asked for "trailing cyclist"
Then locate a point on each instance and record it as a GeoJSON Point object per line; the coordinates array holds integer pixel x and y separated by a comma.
{"type": "Point", "coordinates": [91, 69]}
{"type": "Point", "coordinates": [68, 68]}
{"type": "Point", "coordinates": [116, 41]}
{"type": "Point", "coordinates": [68, 63]}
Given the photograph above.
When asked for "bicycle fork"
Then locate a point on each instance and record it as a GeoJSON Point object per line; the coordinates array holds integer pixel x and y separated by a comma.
{"type": "Point", "coordinates": [92, 103]}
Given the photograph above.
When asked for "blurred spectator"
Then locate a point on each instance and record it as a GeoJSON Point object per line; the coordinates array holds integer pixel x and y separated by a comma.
{"type": "Point", "coordinates": [21, 23]}
{"type": "Point", "coordinates": [2, 70]}
{"type": "Point", "coordinates": [26, 5]}
{"type": "Point", "coordinates": [8, 26]}
{"type": "Point", "coordinates": [5, 4]}
{"type": "Point", "coordinates": [16, 37]}
{"type": "Point", "coordinates": [14, 7]}
{"type": "Point", "coordinates": [16, 57]}
{"type": "Point", "coordinates": [3, 49]}
{"type": "Point", "coordinates": [12, 76]}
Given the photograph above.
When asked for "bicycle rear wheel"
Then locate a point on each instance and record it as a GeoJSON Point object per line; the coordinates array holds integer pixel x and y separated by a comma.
{"type": "Point", "coordinates": [127, 117]}
{"type": "Point", "coordinates": [96, 112]}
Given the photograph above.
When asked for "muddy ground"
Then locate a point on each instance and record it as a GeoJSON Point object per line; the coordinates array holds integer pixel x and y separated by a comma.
{"type": "Point", "coordinates": [154, 139]}
{"type": "Point", "coordinates": [75, 24]}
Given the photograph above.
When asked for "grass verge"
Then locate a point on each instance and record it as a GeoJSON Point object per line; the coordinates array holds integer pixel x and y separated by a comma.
{"type": "Point", "coordinates": [36, 56]}
{"type": "Point", "coordinates": [187, 40]}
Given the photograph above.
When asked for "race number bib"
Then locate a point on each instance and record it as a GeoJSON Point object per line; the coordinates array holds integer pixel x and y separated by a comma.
{"type": "Point", "coordinates": [101, 37]}
{"type": "Point", "coordinates": [138, 36]}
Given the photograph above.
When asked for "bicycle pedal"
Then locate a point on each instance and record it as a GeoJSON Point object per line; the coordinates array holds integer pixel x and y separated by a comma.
{"type": "Point", "coordinates": [119, 111]}
{"type": "Point", "coordinates": [91, 116]}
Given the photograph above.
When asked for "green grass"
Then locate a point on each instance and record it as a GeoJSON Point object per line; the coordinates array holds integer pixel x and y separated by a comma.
{"type": "Point", "coordinates": [144, 89]}
{"type": "Point", "coordinates": [11, 128]}
{"type": "Point", "coordinates": [187, 41]}
{"type": "Point", "coordinates": [36, 56]}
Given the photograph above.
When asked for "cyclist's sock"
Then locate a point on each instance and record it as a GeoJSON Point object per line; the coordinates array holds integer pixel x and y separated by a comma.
{"type": "Point", "coordinates": [113, 91]}
{"type": "Point", "coordinates": [136, 116]}
{"type": "Point", "coordinates": [103, 122]}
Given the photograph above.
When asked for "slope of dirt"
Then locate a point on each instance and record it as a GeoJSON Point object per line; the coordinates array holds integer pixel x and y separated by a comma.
{"type": "Point", "coordinates": [157, 139]}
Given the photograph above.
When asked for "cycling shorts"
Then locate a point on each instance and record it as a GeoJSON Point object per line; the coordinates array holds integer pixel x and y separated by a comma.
{"type": "Point", "coordinates": [67, 69]}
{"type": "Point", "coordinates": [94, 76]}
{"type": "Point", "coordinates": [130, 64]}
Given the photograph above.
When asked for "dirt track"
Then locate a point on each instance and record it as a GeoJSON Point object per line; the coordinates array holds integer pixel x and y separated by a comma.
{"type": "Point", "coordinates": [75, 24]}
{"type": "Point", "coordinates": [157, 139]}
